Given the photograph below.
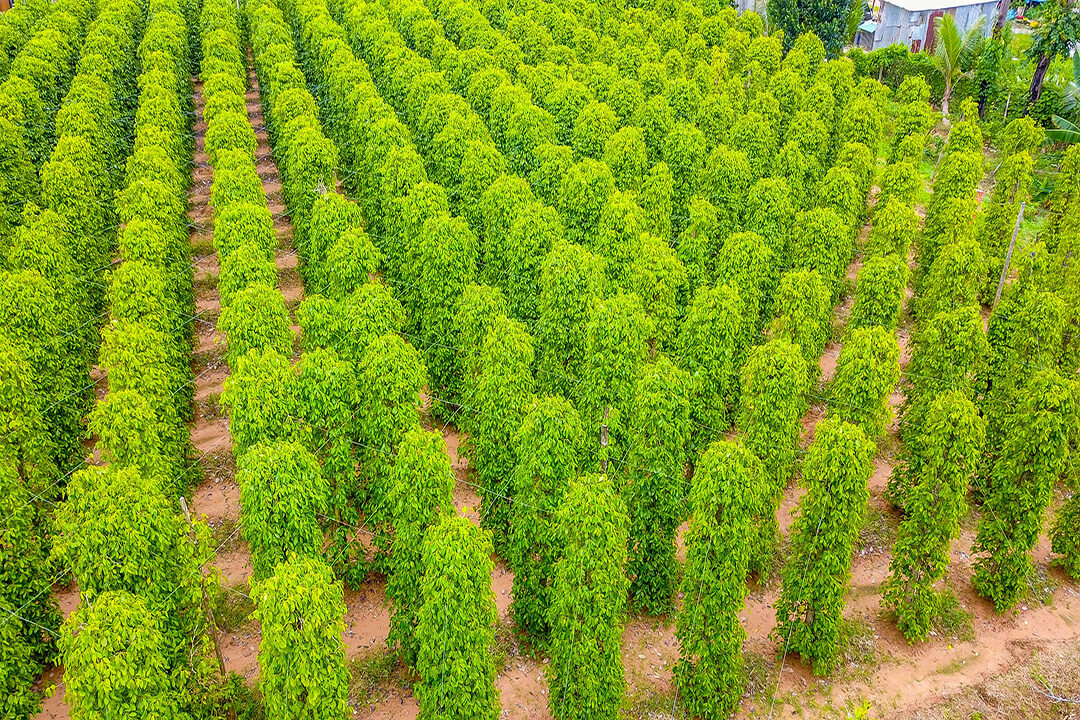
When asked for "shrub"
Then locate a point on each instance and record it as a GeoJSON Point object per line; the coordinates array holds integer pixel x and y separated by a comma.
{"type": "Point", "coordinates": [114, 513]}
{"type": "Point", "coordinates": [879, 293]}
{"type": "Point", "coordinates": [571, 279]}
{"type": "Point", "coordinates": [770, 214]}
{"type": "Point", "coordinates": [774, 382]}
{"type": "Point", "coordinates": [711, 347]}
{"type": "Point", "coordinates": [247, 265]}
{"type": "Point", "coordinates": [448, 254]}
{"type": "Point", "coordinates": [657, 437]}
{"type": "Point", "coordinates": [456, 624]}
{"type": "Point", "coordinates": [895, 223]}
{"type": "Point", "coordinates": [954, 280]}
{"type": "Point", "coordinates": [478, 308]}
{"type": "Point", "coordinates": [1036, 437]}
{"type": "Point", "coordinates": [282, 495]}
{"type": "Point", "coordinates": [548, 447]}
{"type": "Point", "coordinates": [584, 191]}
{"type": "Point", "coordinates": [256, 319]}
{"type": "Point", "coordinates": [658, 277]}
{"type": "Point", "coordinates": [618, 332]}
{"type": "Point", "coordinates": [259, 397]}
{"type": "Point", "coordinates": [504, 392]}
{"type": "Point", "coordinates": [823, 243]}
{"type": "Point", "coordinates": [747, 264]}
{"type": "Point", "coordinates": [420, 494]}
{"type": "Point", "coordinates": [949, 449]}
{"type": "Point", "coordinates": [803, 314]}
{"type": "Point", "coordinates": [866, 375]}
{"type": "Point", "coordinates": [389, 377]}
{"type": "Point", "coordinates": [25, 580]}
{"type": "Point", "coordinates": [115, 656]}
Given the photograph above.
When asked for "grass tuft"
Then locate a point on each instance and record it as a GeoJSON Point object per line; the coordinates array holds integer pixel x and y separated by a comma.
{"type": "Point", "coordinates": [373, 675]}
{"type": "Point", "coordinates": [951, 619]}
{"type": "Point", "coordinates": [877, 533]}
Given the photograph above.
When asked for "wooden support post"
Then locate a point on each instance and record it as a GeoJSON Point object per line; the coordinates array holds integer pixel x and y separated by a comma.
{"type": "Point", "coordinates": [1008, 255]}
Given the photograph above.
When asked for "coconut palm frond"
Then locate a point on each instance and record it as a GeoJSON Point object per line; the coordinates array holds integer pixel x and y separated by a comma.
{"type": "Point", "coordinates": [973, 41]}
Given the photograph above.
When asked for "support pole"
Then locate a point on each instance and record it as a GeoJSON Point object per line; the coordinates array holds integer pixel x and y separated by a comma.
{"type": "Point", "coordinates": [1008, 255]}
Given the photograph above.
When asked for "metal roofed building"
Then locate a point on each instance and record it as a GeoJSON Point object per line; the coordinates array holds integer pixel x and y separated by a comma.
{"type": "Point", "coordinates": [911, 22]}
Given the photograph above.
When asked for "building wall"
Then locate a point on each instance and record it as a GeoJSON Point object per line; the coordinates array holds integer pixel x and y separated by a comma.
{"type": "Point", "coordinates": [757, 6]}
{"type": "Point", "coordinates": [909, 28]}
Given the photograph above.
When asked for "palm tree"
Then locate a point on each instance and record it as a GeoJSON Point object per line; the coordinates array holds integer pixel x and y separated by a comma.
{"type": "Point", "coordinates": [953, 53]}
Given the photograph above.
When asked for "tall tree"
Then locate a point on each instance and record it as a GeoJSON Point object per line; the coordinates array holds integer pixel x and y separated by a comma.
{"type": "Point", "coordinates": [826, 19]}
{"type": "Point", "coordinates": [1054, 37]}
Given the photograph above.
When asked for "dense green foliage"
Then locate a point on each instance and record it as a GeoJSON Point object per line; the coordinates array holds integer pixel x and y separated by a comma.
{"type": "Point", "coordinates": [866, 375]}
{"type": "Point", "coordinates": [1037, 434]}
{"type": "Point", "coordinates": [588, 596]}
{"type": "Point", "coordinates": [301, 658]}
{"type": "Point", "coordinates": [949, 447]}
{"type": "Point", "coordinates": [803, 314]}
{"type": "Point", "coordinates": [420, 494]}
{"type": "Point", "coordinates": [727, 489]}
{"type": "Point", "coordinates": [117, 532]}
{"type": "Point", "coordinates": [711, 349]}
{"type": "Point", "coordinates": [114, 652]}
{"type": "Point", "coordinates": [548, 448]}
{"type": "Point", "coordinates": [657, 436]}
{"type": "Point", "coordinates": [504, 391]}
{"type": "Point", "coordinates": [879, 293]}
{"type": "Point", "coordinates": [455, 627]}
{"type": "Point", "coordinates": [809, 613]}
{"type": "Point", "coordinates": [774, 382]}
{"type": "Point", "coordinates": [586, 238]}
{"type": "Point", "coordinates": [282, 493]}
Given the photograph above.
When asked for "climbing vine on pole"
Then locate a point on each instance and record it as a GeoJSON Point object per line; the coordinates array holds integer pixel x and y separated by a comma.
{"type": "Point", "coordinates": [588, 596]}
{"type": "Point", "coordinates": [724, 499]}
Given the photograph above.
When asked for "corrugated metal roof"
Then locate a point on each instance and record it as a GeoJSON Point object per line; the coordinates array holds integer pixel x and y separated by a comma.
{"type": "Point", "coordinates": [923, 5]}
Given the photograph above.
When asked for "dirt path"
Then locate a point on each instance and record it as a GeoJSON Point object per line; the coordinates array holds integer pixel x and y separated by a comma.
{"type": "Point", "coordinates": [217, 498]}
